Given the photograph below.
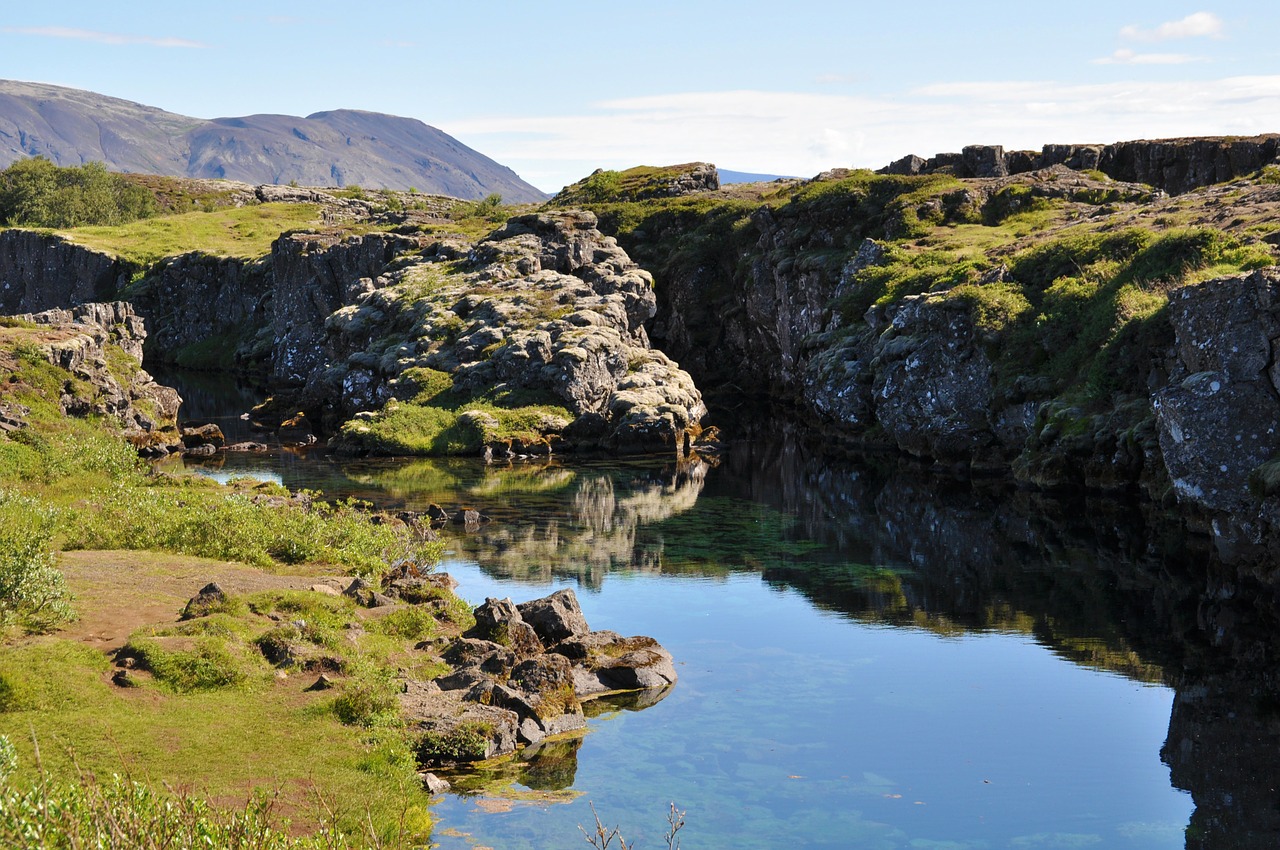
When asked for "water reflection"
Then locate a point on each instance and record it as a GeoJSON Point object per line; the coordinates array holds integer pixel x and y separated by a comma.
{"type": "Point", "coordinates": [1103, 583]}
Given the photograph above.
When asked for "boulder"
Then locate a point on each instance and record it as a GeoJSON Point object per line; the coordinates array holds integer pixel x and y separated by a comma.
{"type": "Point", "coordinates": [210, 598]}
{"type": "Point", "coordinates": [556, 617]}
{"type": "Point", "coordinates": [499, 621]}
{"type": "Point", "coordinates": [366, 594]}
{"type": "Point", "coordinates": [200, 435]}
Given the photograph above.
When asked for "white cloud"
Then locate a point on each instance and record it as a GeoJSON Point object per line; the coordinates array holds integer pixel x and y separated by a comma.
{"type": "Point", "coordinates": [1125, 56]}
{"type": "Point", "coordinates": [803, 134]}
{"type": "Point", "coordinates": [103, 37]}
{"type": "Point", "coordinates": [1197, 25]}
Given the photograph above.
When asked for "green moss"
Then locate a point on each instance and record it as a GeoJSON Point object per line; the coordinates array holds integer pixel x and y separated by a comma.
{"type": "Point", "coordinates": [433, 429]}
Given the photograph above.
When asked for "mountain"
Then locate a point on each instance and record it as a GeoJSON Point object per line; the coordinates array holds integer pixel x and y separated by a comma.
{"type": "Point", "coordinates": [337, 148]}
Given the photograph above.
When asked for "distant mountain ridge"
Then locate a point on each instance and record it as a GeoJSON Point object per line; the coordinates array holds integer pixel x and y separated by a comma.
{"type": "Point", "coordinates": [336, 148]}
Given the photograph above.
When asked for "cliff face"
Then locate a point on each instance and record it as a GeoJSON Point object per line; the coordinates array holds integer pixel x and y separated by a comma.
{"type": "Point", "coordinates": [1172, 165]}
{"type": "Point", "coordinates": [314, 275]}
{"type": "Point", "coordinates": [1056, 326]}
{"type": "Point", "coordinates": [40, 272]}
{"type": "Point", "coordinates": [208, 312]}
{"type": "Point", "coordinates": [83, 340]}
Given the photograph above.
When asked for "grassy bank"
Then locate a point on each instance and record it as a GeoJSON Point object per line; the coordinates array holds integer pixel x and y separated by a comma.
{"type": "Point", "coordinates": [211, 720]}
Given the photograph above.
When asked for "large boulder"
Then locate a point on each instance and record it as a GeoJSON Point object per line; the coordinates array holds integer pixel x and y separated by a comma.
{"type": "Point", "coordinates": [556, 617]}
{"type": "Point", "coordinates": [1218, 417]}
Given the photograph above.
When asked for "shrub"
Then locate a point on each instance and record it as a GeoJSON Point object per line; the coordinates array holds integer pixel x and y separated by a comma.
{"type": "Point", "coordinates": [368, 698]}
{"type": "Point", "coordinates": [36, 193]}
{"type": "Point", "coordinates": [33, 592]}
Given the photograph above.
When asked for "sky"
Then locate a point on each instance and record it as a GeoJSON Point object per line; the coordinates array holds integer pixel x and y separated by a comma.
{"type": "Point", "coordinates": [557, 88]}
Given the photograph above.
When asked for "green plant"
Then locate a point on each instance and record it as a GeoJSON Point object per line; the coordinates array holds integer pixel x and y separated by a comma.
{"type": "Point", "coordinates": [36, 193]}
{"type": "Point", "coordinates": [33, 592]}
{"type": "Point", "coordinates": [368, 698]}
{"type": "Point", "coordinates": [465, 742]}
{"type": "Point", "coordinates": [125, 815]}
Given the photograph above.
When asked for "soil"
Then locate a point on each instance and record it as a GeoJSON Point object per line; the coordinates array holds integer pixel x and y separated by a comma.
{"type": "Point", "coordinates": [118, 592]}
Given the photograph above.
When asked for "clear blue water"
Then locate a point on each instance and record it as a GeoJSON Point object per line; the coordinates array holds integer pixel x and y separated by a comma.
{"type": "Point", "coordinates": [869, 656]}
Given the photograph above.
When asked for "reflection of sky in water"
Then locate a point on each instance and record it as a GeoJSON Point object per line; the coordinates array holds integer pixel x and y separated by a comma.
{"type": "Point", "coordinates": [837, 689]}
{"type": "Point", "coordinates": [792, 727]}
{"type": "Point", "coordinates": [222, 476]}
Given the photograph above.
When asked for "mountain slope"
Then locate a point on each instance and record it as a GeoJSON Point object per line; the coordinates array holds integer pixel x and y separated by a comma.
{"type": "Point", "coordinates": [341, 147]}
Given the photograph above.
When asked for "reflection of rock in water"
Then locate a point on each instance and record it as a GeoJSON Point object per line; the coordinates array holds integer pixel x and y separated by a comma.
{"type": "Point", "coordinates": [550, 765]}
{"type": "Point", "coordinates": [600, 534]}
{"type": "Point", "coordinates": [1224, 748]}
{"type": "Point", "coordinates": [629, 701]}
{"type": "Point", "coordinates": [1103, 582]}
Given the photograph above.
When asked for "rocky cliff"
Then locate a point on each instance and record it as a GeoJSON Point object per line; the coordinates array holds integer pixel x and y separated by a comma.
{"type": "Point", "coordinates": [99, 346]}
{"type": "Point", "coordinates": [1058, 326]}
{"type": "Point", "coordinates": [43, 272]}
{"type": "Point", "coordinates": [1173, 165]}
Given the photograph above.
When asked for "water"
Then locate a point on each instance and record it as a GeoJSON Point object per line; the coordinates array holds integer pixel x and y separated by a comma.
{"type": "Point", "coordinates": [869, 656]}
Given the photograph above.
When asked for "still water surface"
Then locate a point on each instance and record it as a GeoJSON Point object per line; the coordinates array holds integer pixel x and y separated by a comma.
{"type": "Point", "coordinates": [868, 656]}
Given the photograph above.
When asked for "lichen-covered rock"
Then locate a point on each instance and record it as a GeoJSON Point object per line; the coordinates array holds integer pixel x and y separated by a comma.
{"type": "Point", "coordinates": [556, 617]}
{"type": "Point", "coordinates": [84, 340]}
{"type": "Point", "coordinates": [1218, 418]}
{"type": "Point", "coordinates": [545, 306]}
{"type": "Point", "coordinates": [934, 384]}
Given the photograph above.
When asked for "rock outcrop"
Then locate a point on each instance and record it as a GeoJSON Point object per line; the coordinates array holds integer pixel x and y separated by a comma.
{"type": "Point", "coordinates": [520, 675]}
{"type": "Point", "coordinates": [85, 341]}
{"type": "Point", "coordinates": [545, 305]}
{"type": "Point", "coordinates": [1172, 165]}
{"type": "Point", "coordinates": [42, 272]}
{"type": "Point", "coordinates": [1218, 417]}
{"type": "Point", "coordinates": [316, 274]}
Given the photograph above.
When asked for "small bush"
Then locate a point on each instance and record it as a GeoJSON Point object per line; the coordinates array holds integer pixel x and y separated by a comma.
{"type": "Point", "coordinates": [33, 592]}
{"type": "Point", "coordinates": [467, 742]}
{"type": "Point", "coordinates": [409, 623]}
{"type": "Point", "coordinates": [368, 698]}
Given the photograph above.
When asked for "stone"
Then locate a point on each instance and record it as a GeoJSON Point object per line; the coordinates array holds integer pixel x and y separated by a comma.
{"type": "Point", "coordinates": [125, 679]}
{"type": "Point", "coordinates": [200, 435]}
{"type": "Point", "coordinates": [322, 683]}
{"type": "Point", "coordinates": [433, 784]}
{"type": "Point", "coordinates": [555, 617]}
{"type": "Point", "coordinates": [366, 594]}
{"type": "Point", "coordinates": [499, 620]}
{"type": "Point", "coordinates": [209, 598]}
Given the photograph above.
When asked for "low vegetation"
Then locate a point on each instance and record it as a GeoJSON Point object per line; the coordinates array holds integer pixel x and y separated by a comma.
{"type": "Point", "coordinates": [206, 701]}
{"type": "Point", "coordinates": [245, 232]}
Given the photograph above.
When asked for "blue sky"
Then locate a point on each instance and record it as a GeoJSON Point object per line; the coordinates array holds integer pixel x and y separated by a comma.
{"type": "Point", "coordinates": [557, 89]}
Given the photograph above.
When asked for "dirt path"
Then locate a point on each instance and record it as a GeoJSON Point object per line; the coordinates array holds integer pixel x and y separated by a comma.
{"type": "Point", "coordinates": [118, 592]}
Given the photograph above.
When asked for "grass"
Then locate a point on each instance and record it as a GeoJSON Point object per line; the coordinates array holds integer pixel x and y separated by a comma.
{"type": "Point", "coordinates": [245, 232]}
{"type": "Point", "coordinates": [201, 739]}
